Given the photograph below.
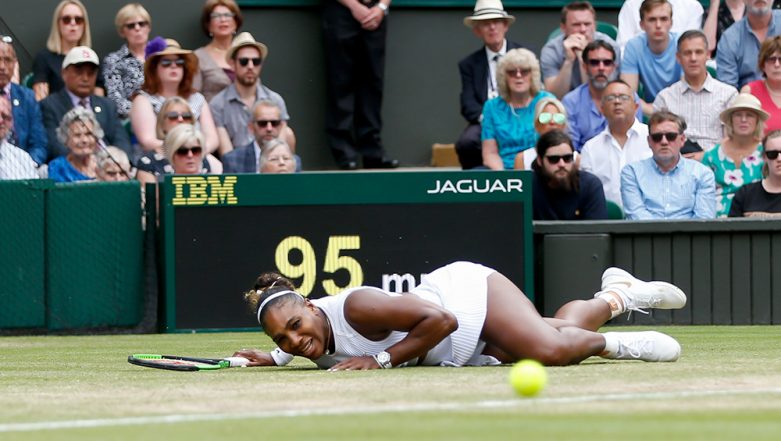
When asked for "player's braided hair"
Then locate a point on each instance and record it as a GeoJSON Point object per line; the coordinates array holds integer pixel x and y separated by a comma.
{"type": "Point", "coordinates": [266, 285]}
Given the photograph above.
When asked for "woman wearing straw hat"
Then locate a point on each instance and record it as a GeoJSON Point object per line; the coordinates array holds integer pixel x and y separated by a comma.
{"type": "Point", "coordinates": [168, 72]}
{"type": "Point", "coordinates": [737, 160]}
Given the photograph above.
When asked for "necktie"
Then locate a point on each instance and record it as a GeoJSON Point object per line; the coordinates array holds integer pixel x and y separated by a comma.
{"type": "Point", "coordinates": [84, 102]}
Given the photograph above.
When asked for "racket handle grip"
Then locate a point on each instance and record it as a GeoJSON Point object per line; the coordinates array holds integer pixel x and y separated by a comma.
{"type": "Point", "coordinates": [237, 361]}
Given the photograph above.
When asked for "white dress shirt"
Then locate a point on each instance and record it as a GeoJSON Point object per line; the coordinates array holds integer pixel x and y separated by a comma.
{"type": "Point", "coordinates": [603, 156]}
{"type": "Point", "coordinates": [15, 163]}
{"type": "Point", "coordinates": [493, 90]}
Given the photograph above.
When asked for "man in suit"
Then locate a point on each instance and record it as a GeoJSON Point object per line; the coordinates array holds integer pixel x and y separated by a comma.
{"type": "Point", "coordinates": [489, 23]}
{"type": "Point", "coordinates": [80, 72]}
{"type": "Point", "coordinates": [27, 132]}
{"type": "Point", "coordinates": [266, 125]}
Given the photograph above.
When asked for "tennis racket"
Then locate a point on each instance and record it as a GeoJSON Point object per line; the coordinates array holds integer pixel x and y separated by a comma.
{"type": "Point", "coordinates": [178, 363]}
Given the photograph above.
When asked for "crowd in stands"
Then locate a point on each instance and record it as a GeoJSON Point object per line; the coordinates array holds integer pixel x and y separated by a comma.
{"type": "Point", "coordinates": [673, 114]}
{"type": "Point", "coordinates": [666, 131]}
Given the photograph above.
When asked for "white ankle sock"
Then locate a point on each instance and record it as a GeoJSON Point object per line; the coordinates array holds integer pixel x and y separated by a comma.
{"type": "Point", "coordinates": [615, 300]}
{"type": "Point", "coordinates": [611, 345]}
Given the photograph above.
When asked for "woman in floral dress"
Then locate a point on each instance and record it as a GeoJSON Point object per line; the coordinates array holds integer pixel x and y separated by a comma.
{"type": "Point", "coordinates": [737, 160]}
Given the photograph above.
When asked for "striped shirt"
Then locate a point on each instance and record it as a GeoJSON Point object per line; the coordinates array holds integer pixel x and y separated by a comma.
{"type": "Point", "coordinates": [700, 108]}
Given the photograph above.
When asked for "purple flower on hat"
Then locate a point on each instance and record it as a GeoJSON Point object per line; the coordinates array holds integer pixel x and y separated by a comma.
{"type": "Point", "coordinates": [154, 46]}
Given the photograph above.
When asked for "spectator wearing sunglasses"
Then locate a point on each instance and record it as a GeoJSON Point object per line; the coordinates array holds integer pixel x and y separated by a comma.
{"type": "Point", "coordinates": [698, 98]}
{"type": "Point", "coordinates": [233, 106]}
{"type": "Point", "coordinates": [584, 116]}
{"type": "Point", "coordinates": [490, 23]}
{"type": "Point", "coordinates": [768, 89]}
{"type": "Point", "coordinates": [762, 198]}
{"type": "Point", "coordinates": [560, 190]}
{"type": "Point", "coordinates": [69, 28]}
{"type": "Point", "coordinates": [737, 160]}
{"type": "Point", "coordinates": [266, 126]}
{"type": "Point", "coordinates": [624, 140]}
{"type": "Point", "coordinates": [80, 71]}
{"type": "Point", "coordinates": [183, 147]}
{"type": "Point", "coordinates": [560, 58]}
{"type": "Point", "coordinates": [508, 119]}
{"type": "Point", "coordinates": [26, 130]}
{"type": "Point", "coordinates": [220, 20]}
{"type": "Point", "coordinates": [124, 69]}
{"type": "Point", "coordinates": [168, 72]}
{"type": "Point", "coordinates": [667, 185]}
{"type": "Point", "coordinates": [151, 165]}
{"type": "Point", "coordinates": [549, 114]}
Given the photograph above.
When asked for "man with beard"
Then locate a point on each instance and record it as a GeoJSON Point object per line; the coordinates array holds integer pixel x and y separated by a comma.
{"type": "Point", "coordinates": [585, 120]}
{"type": "Point", "coordinates": [561, 191]}
{"type": "Point", "coordinates": [232, 108]}
{"type": "Point", "coordinates": [667, 185]}
{"type": "Point", "coordinates": [738, 49]}
{"type": "Point", "coordinates": [697, 97]}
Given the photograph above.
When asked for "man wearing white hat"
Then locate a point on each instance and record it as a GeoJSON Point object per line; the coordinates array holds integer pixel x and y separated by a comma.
{"type": "Point", "coordinates": [80, 72]}
{"type": "Point", "coordinates": [232, 108]}
{"type": "Point", "coordinates": [489, 23]}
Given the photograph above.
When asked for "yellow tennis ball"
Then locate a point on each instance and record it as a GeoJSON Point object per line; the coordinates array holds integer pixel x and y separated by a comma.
{"type": "Point", "coordinates": [528, 377]}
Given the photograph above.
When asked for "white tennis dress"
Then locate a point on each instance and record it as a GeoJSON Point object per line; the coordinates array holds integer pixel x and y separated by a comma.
{"type": "Point", "coordinates": [459, 287]}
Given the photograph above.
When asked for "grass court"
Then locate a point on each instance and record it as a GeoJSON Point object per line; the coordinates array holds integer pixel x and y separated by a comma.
{"type": "Point", "coordinates": [727, 385]}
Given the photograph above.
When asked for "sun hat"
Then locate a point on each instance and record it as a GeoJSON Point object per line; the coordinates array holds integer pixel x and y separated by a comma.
{"type": "Point", "coordinates": [743, 101]}
{"type": "Point", "coordinates": [488, 10]}
{"type": "Point", "coordinates": [158, 47]}
{"type": "Point", "coordinates": [80, 54]}
{"type": "Point", "coordinates": [242, 40]}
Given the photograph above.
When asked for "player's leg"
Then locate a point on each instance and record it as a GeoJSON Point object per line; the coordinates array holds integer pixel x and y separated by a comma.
{"type": "Point", "coordinates": [513, 330]}
{"type": "Point", "coordinates": [621, 292]}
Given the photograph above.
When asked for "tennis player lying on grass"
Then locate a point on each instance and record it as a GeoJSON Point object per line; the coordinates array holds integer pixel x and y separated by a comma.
{"type": "Point", "coordinates": [462, 314]}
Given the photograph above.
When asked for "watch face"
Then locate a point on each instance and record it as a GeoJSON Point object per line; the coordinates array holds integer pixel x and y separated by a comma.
{"type": "Point", "coordinates": [383, 357]}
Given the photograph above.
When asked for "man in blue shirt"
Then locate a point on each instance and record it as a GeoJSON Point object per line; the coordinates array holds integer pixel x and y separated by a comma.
{"type": "Point", "coordinates": [584, 118]}
{"type": "Point", "coordinates": [667, 185]}
{"type": "Point", "coordinates": [649, 58]}
{"type": "Point", "coordinates": [738, 49]}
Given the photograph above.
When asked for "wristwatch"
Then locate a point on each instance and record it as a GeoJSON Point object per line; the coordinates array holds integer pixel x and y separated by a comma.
{"type": "Point", "coordinates": [383, 7]}
{"type": "Point", "coordinates": [384, 360]}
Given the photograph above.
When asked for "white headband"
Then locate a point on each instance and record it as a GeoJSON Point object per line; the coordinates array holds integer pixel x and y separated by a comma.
{"type": "Point", "coordinates": [270, 298]}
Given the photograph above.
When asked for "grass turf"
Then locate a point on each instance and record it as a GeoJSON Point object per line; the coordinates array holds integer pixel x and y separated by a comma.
{"type": "Point", "coordinates": [727, 385]}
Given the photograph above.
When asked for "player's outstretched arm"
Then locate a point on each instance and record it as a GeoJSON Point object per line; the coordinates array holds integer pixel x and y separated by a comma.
{"type": "Point", "coordinates": [256, 357]}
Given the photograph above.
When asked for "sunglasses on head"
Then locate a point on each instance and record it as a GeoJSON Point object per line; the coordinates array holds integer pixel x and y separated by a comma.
{"type": "Point", "coordinates": [597, 62]}
{"type": "Point", "coordinates": [772, 154]}
{"type": "Point", "coordinates": [262, 123]}
{"type": "Point", "coordinates": [174, 116]}
{"type": "Point", "coordinates": [136, 24]}
{"type": "Point", "coordinates": [554, 159]}
{"type": "Point", "coordinates": [69, 19]}
{"type": "Point", "coordinates": [670, 136]}
{"type": "Point", "coordinates": [245, 61]}
{"type": "Point", "coordinates": [557, 118]}
{"type": "Point", "coordinates": [167, 62]}
{"type": "Point", "coordinates": [184, 150]}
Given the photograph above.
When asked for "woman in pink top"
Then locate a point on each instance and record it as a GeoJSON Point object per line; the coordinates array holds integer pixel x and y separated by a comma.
{"type": "Point", "coordinates": [768, 90]}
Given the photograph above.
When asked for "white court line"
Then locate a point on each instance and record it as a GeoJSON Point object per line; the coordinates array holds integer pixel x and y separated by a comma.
{"type": "Point", "coordinates": [395, 408]}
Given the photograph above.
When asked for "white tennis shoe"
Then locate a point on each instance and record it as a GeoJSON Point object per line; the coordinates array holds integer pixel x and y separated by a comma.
{"type": "Point", "coordinates": [646, 346]}
{"type": "Point", "coordinates": [637, 294]}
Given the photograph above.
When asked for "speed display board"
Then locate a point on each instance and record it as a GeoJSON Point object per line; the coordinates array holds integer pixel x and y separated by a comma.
{"type": "Point", "coordinates": [331, 231]}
